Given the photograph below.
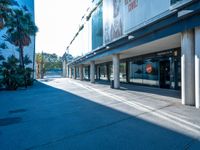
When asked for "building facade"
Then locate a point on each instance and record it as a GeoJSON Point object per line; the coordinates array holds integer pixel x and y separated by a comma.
{"type": "Point", "coordinates": [28, 50]}
{"type": "Point", "coordinates": [142, 42]}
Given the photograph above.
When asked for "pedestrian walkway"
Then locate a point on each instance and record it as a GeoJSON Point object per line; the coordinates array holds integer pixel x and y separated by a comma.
{"type": "Point", "coordinates": [59, 113]}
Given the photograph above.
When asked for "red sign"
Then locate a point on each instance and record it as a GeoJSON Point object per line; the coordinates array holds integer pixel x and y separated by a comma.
{"type": "Point", "coordinates": [149, 68]}
{"type": "Point", "coordinates": [132, 4]}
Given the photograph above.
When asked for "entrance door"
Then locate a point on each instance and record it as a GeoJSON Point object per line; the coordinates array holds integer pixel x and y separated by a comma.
{"type": "Point", "coordinates": [165, 74]}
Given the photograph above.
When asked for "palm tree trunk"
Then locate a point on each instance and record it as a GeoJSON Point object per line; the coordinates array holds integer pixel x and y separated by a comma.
{"type": "Point", "coordinates": [22, 63]}
{"type": "Point", "coordinates": [21, 58]}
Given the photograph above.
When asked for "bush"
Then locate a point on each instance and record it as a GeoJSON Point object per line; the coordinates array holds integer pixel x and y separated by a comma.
{"type": "Point", "coordinates": [14, 76]}
{"type": "Point", "coordinates": [29, 78]}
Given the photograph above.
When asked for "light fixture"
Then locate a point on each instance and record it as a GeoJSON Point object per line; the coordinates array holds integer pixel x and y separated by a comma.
{"type": "Point", "coordinates": [184, 12]}
{"type": "Point", "coordinates": [130, 37]}
{"type": "Point", "coordinates": [107, 47]}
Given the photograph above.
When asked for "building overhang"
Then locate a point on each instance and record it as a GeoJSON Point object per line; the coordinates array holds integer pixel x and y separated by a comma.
{"type": "Point", "coordinates": [166, 28]}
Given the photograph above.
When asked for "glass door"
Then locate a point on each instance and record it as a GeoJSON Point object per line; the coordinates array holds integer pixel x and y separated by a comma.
{"type": "Point", "coordinates": [165, 74]}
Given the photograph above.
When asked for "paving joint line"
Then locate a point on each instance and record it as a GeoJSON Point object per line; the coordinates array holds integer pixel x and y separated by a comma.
{"type": "Point", "coordinates": [79, 134]}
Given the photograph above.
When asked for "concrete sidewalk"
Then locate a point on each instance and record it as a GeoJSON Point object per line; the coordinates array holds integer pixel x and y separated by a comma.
{"type": "Point", "coordinates": [70, 114]}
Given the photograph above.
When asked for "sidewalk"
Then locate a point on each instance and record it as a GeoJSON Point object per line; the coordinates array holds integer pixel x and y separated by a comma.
{"type": "Point", "coordinates": [60, 114]}
{"type": "Point", "coordinates": [159, 106]}
{"type": "Point", "coordinates": [147, 99]}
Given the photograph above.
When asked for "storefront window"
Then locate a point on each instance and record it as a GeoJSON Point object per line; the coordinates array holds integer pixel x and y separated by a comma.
{"type": "Point", "coordinates": [86, 72]}
{"type": "Point", "coordinates": [144, 71]}
{"type": "Point", "coordinates": [136, 67]}
{"type": "Point", "coordinates": [103, 72]}
{"type": "Point", "coordinates": [162, 69]}
{"type": "Point", "coordinates": [122, 72]}
{"type": "Point", "coordinates": [111, 71]}
{"type": "Point", "coordinates": [150, 72]}
{"type": "Point", "coordinates": [77, 72]}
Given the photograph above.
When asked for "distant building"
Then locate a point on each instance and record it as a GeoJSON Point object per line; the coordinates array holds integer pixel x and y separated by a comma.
{"type": "Point", "coordinates": [66, 58]}
{"type": "Point", "coordinates": [152, 43]}
{"type": "Point", "coordinates": [28, 50]}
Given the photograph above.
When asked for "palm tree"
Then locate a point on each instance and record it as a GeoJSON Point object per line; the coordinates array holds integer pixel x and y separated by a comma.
{"type": "Point", "coordinates": [6, 11]}
{"type": "Point", "coordinates": [20, 29]}
{"type": "Point", "coordinates": [40, 65]}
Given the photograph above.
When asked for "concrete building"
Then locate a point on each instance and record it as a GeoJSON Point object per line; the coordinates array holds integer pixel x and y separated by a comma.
{"type": "Point", "coordinates": [28, 50]}
{"type": "Point", "coordinates": [142, 43]}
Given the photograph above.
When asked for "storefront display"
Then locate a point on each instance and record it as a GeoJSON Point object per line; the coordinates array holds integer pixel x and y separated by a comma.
{"type": "Point", "coordinates": [161, 69]}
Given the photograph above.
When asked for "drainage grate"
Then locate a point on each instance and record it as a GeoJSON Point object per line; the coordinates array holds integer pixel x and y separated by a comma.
{"type": "Point", "coordinates": [17, 111]}
{"type": "Point", "coordinates": [10, 121]}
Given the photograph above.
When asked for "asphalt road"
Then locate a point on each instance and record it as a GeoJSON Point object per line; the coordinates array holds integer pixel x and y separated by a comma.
{"type": "Point", "coordinates": [64, 114]}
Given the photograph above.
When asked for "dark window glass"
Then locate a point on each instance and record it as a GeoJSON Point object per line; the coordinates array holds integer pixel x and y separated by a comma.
{"type": "Point", "coordinates": [77, 72]}
{"type": "Point", "coordinates": [86, 72]}
{"type": "Point", "coordinates": [144, 71]}
{"type": "Point", "coordinates": [175, 1]}
{"type": "Point", "coordinates": [111, 71]}
{"type": "Point", "coordinates": [97, 28]}
{"type": "Point", "coordinates": [122, 72]}
{"type": "Point", "coordinates": [103, 72]}
{"type": "Point", "coordinates": [136, 67]}
{"type": "Point", "coordinates": [150, 72]}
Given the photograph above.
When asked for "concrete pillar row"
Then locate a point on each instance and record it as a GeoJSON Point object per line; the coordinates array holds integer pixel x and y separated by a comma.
{"type": "Point", "coordinates": [116, 77]}
{"type": "Point", "coordinates": [197, 67]}
{"type": "Point", "coordinates": [187, 67]}
{"type": "Point", "coordinates": [81, 72]}
{"type": "Point", "coordinates": [92, 71]}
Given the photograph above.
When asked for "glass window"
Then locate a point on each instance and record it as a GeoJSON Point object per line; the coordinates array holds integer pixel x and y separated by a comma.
{"type": "Point", "coordinates": [144, 71]}
{"type": "Point", "coordinates": [150, 72]}
{"type": "Point", "coordinates": [86, 72]}
{"type": "Point", "coordinates": [77, 72]}
{"type": "Point", "coordinates": [122, 72]}
{"type": "Point", "coordinates": [111, 71]}
{"type": "Point", "coordinates": [175, 1]}
{"type": "Point", "coordinates": [179, 74]}
{"type": "Point", "coordinates": [103, 72]}
{"type": "Point", "coordinates": [136, 68]}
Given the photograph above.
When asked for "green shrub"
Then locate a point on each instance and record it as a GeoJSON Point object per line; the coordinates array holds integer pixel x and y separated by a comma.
{"type": "Point", "coordinates": [12, 75]}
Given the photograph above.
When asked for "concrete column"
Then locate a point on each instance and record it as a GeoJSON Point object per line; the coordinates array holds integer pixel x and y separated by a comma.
{"type": "Point", "coordinates": [74, 72]}
{"type": "Point", "coordinates": [187, 68]}
{"type": "Point", "coordinates": [116, 71]}
{"type": "Point", "coordinates": [81, 72]}
{"type": "Point", "coordinates": [92, 71]}
{"type": "Point", "coordinates": [197, 67]}
{"type": "Point", "coordinates": [67, 71]}
{"type": "Point", "coordinates": [71, 71]}
{"type": "Point", "coordinates": [64, 68]}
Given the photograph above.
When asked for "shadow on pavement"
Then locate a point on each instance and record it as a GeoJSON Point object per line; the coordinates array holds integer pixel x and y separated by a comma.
{"type": "Point", "coordinates": [60, 120]}
{"type": "Point", "coordinates": [146, 89]}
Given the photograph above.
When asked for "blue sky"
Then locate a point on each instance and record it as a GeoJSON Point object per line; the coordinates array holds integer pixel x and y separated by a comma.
{"type": "Point", "coordinates": [58, 21]}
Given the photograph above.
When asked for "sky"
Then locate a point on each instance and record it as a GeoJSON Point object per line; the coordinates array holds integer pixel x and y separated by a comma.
{"type": "Point", "coordinates": [58, 21]}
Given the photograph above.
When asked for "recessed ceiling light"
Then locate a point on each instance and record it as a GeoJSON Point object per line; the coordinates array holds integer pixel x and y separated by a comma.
{"type": "Point", "coordinates": [107, 47]}
{"type": "Point", "coordinates": [131, 37]}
